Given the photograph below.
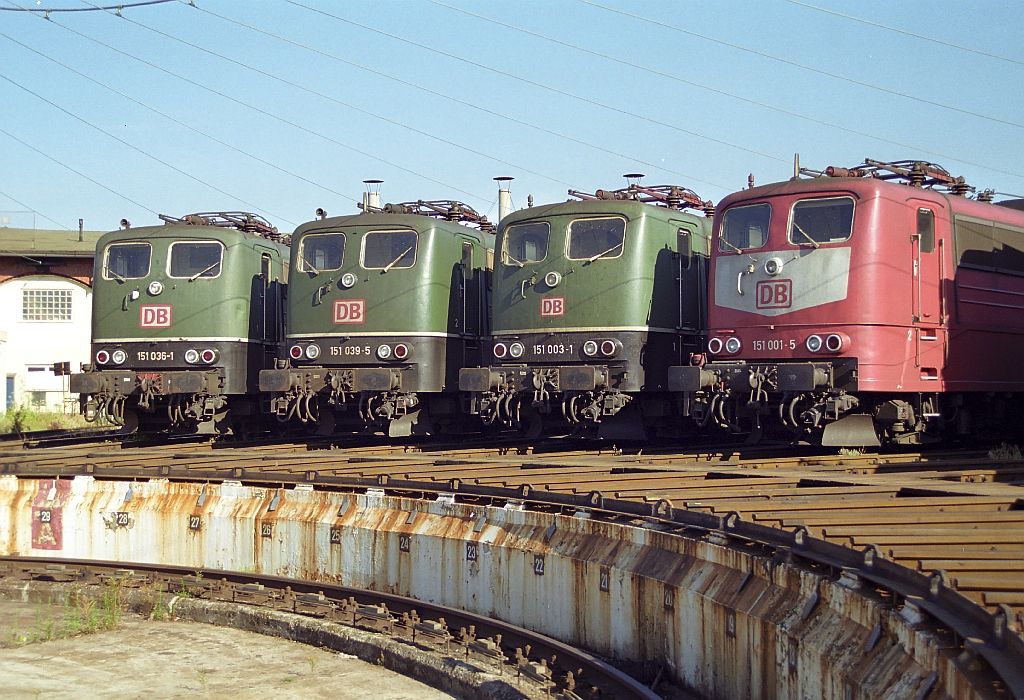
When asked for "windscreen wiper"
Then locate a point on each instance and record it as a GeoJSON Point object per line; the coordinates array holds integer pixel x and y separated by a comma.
{"type": "Point", "coordinates": [196, 276]}
{"type": "Point", "coordinates": [592, 258]}
{"type": "Point", "coordinates": [519, 263]}
{"type": "Point", "coordinates": [118, 277]}
{"type": "Point", "coordinates": [805, 235]}
{"type": "Point", "coordinates": [395, 261]}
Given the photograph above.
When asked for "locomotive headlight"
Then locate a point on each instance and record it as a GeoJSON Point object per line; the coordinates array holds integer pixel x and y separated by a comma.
{"type": "Point", "coordinates": [155, 287]}
{"type": "Point", "coordinates": [208, 356]}
{"type": "Point", "coordinates": [384, 351]}
{"type": "Point", "coordinates": [500, 350]}
{"type": "Point", "coordinates": [773, 266]}
{"type": "Point", "coordinates": [102, 357]}
{"type": "Point", "coordinates": [312, 351]}
{"type": "Point", "coordinates": [402, 351]}
{"type": "Point", "coordinates": [119, 357]}
{"type": "Point", "coordinates": [834, 343]}
{"type": "Point", "coordinates": [295, 352]}
{"type": "Point", "coordinates": [516, 350]}
{"type": "Point", "coordinates": [552, 279]}
{"type": "Point", "coordinates": [715, 346]}
{"type": "Point", "coordinates": [732, 345]}
{"type": "Point", "coordinates": [814, 343]}
{"type": "Point", "coordinates": [609, 348]}
{"type": "Point", "coordinates": [590, 348]}
{"type": "Point", "coordinates": [192, 356]}
{"type": "Point", "coordinates": [348, 280]}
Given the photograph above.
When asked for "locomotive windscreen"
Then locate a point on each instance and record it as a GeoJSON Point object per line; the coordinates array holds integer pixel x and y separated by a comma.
{"type": "Point", "coordinates": [817, 221]}
{"type": "Point", "coordinates": [321, 252]}
{"type": "Point", "coordinates": [525, 243]}
{"type": "Point", "coordinates": [388, 249]}
{"type": "Point", "coordinates": [746, 227]}
{"type": "Point", "coordinates": [127, 261]}
{"type": "Point", "coordinates": [591, 239]}
{"type": "Point", "coordinates": [194, 259]}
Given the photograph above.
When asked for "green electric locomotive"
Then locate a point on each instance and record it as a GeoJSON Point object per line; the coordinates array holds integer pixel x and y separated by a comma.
{"type": "Point", "coordinates": [593, 301]}
{"type": "Point", "coordinates": [185, 315]}
{"type": "Point", "coordinates": [384, 308]}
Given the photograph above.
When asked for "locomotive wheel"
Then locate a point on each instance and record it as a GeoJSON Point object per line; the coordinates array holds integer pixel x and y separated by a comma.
{"type": "Point", "coordinates": [131, 422]}
{"type": "Point", "coordinates": [326, 424]}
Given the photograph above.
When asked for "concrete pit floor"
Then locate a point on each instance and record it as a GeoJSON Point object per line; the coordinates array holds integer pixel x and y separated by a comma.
{"type": "Point", "coordinates": [161, 659]}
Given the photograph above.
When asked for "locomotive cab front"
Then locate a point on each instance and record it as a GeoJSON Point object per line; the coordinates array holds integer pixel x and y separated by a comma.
{"type": "Point", "coordinates": [385, 307]}
{"type": "Point", "coordinates": [184, 317]}
{"type": "Point", "coordinates": [593, 301]}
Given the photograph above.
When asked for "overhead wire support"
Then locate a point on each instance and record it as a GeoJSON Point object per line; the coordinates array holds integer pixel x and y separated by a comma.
{"type": "Point", "coordinates": [718, 91]}
{"type": "Point", "coordinates": [49, 10]}
{"type": "Point", "coordinates": [37, 213]}
{"type": "Point", "coordinates": [139, 150]}
{"type": "Point", "coordinates": [456, 100]}
{"type": "Point", "coordinates": [802, 66]}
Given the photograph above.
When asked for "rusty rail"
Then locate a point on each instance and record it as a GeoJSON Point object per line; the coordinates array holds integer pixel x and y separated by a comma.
{"type": "Point", "coordinates": [844, 513]}
{"type": "Point", "coordinates": [547, 663]}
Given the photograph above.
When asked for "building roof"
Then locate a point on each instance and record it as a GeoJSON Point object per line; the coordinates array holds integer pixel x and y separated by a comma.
{"type": "Point", "coordinates": [27, 242]}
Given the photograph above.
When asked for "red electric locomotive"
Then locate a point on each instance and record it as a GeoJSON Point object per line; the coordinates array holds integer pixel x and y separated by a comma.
{"type": "Point", "coordinates": [864, 306]}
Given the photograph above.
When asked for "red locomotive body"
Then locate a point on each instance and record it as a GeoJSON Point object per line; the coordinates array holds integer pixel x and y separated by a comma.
{"type": "Point", "coordinates": [863, 309]}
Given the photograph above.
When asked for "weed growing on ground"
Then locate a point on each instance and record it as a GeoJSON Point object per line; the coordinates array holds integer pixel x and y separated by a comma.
{"type": "Point", "coordinates": [380, 659]}
{"type": "Point", "coordinates": [312, 660]}
{"type": "Point", "coordinates": [159, 611]}
{"type": "Point", "coordinates": [1005, 451]}
{"type": "Point", "coordinates": [112, 604]}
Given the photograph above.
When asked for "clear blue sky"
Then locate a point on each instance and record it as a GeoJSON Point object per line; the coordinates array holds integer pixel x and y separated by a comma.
{"type": "Point", "coordinates": [343, 103]}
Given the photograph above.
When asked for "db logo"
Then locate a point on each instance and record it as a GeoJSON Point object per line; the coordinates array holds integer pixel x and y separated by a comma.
{"type": "Point", "coordinates": [155, 316]}
{"type": "Point", "coordinates": [774, 294]}
{"type": "Point", "coordinates": [349, 311]}
{"type": "Point", "coordinates": [552, 306]}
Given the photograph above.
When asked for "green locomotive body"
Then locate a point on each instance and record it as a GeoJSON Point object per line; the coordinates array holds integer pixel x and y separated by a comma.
{"type": "Point", "coordinates": [593, 301]}
{"type": "Point", "coordinates": [185, 315]}
{"type": "Point", "coordinates": [384, 309]}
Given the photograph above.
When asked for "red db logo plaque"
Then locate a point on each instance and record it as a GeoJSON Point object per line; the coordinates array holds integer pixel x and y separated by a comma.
{"type": "Point", "coordinates": [552, 306]}
{"type": "Point", "coordinates": [774, 294]}
{"type": "Point", "coordinates": [349, 311]}
{"type": "Point", "coordinates": [155, 316]}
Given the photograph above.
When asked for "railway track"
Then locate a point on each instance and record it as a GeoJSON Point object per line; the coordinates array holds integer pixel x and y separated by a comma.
{"type": "Point", "coordinates": [957, 513]}
{"type": "Point", "coordinates": [543, 664]}
{"type": "Point", "coordinates": [940, 528]}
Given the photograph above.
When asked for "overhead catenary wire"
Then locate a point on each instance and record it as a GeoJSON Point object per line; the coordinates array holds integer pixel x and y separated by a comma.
{"type": "Point", "coordinates": [179, 122]}
{"type": "Point", "coordinates": [48, 10]}
{"type": "Point", "coordinates": [144, 152]}
{"type": "Point", "coordinates": [445, 96]}
{"type": "Point", "coordinates": [34, 211]}
{"type": "Point", "coordinates": [527, 81]}
{"type": "Point", "coordinates": [906, 33]}
{"type": "Point", "coordinates": [264, 112]}
{"type": "Point", "coordinates": [719, 91]}
{"type": "Point", "coordinates": [802, 66]}
{"type": "Point", "coordinates": [77, 172]}
{"type": "Point", "coordinates": [356, 108]}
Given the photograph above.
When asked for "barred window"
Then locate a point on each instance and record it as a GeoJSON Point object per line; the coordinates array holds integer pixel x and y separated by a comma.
{"type": "Point", "coordinates": [46, 305]}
